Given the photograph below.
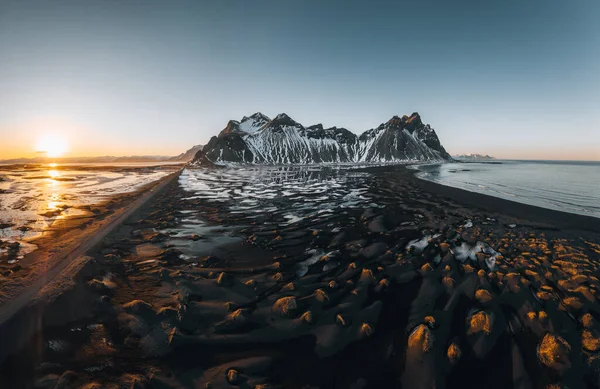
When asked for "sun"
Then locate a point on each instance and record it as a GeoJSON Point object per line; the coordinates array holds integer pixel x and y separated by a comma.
{"type": "Point", "coordinates": [52, 146]}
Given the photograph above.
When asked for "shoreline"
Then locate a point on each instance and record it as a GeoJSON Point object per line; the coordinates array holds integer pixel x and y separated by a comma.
{"type": "Point", "coordinates": [75, 242]}
{"type": "Point", "coordinates": [429, 285]}
{"type": "Point", "coordinates": [562, 219]}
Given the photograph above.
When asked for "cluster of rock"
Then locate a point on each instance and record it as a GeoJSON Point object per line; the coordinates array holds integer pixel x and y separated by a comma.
{"type": "Point", "coordinates": [423, 291]}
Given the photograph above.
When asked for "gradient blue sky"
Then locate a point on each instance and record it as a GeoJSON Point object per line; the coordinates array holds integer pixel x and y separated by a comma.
{"type": "Point", "coordinates": [516, 79]}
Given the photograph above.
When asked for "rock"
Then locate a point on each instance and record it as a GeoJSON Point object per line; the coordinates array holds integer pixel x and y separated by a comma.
{"type": "Point", "coordinates": [290, 287]}
{"type": "Point", "coordinates": [233, 376]}
{"type": "Point", "coordinates": [479, 322]}
{"type": "Point", "coordinates": [140, 308]}
{"type": "Point", "coordinates": [448, 282]}
{"type": "Point", "coordinates": [224, 279]}
{"type": "Point", "coordinates": [587, 320]}
{"type": "Point", "coordinates": [454, 353]}
{"type": "Point", "coordinates": [234, 321]}
{"type": "Point", "coordinates": [430, 321]}
{"type": "Point", "coordinates": [321, 296]}
{"type": "Point", "coordinates": [590, 341]}
{"type": "Point", "coordinates": [286, 306]}
{"type": "Point", "coordinates": [483, 296]}
{"type": "Point", "coordinates": [444, 247]}
{"type": "Point", "coordinates": [468, 268]}
{"type": "Point", "coordinates": [367, 277]}
{"type": "Point", "coordinates": [366, 330]}
{"type": "Point", "coordinates": [426, 268]}
{"type": "Point", "coordinates": [421, 338]}
{"type": "Point", "coordinates": [553, 352]}
{"type": "Point", "coordinates": [307, 317]}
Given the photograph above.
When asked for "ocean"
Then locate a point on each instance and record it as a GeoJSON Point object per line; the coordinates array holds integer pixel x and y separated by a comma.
{"type": "Point", "coordinates": [568, 186]}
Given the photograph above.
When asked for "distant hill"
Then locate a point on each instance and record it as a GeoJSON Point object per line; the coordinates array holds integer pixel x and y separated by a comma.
{"type": "Point", "coordinates": [473, 157]}
{"type": "Point", "coordinates": [188, 155]}
{"type": "Point", "coordinates": [183, 158]}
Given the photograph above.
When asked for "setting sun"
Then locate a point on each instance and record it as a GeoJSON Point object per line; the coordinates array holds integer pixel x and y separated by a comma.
{"type": "Point", "coordinates": [52, 146]}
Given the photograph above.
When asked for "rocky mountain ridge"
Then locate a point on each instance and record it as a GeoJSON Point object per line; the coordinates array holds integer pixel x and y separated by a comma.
{"type": "Point", "coordinates": [281, 140]}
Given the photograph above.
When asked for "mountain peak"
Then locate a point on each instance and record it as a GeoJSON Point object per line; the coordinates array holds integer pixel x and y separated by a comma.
{"type": "Point", "coordinates": [284, 120]}
{"type": "Point", "coordinates": [258, 116]}
{"type": "Point", "coordinates": [395, 122]}
{"type": "Point", "coordinates": [413, 122]}
{"type": "Point", "coordinates": [231, 127]}
{"type": "Point", "coordinates": [282, 116]}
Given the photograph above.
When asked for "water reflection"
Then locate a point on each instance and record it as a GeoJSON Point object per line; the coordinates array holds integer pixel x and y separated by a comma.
{"type": "Point", "coordinates": [53, 174]}
{"type": "Point", "coordinates": [289, 195]}
{"type": "Point", "coordinates": [34, 198]}
{"type": "Point", "coordinates": [53, 202]}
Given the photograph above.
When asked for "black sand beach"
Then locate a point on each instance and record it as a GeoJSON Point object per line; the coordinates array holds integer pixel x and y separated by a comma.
{"type": "Point", "coordinates": [434, 287]}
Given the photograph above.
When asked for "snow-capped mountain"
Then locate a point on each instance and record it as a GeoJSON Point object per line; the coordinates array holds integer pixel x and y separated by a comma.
{"type": "Point", "coordinates": [258, 139]}
{"type": "Point", "coordinates": [247, 125]}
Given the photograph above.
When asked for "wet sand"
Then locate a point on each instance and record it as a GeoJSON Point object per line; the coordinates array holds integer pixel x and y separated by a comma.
{"type": "Point", "coordinates": [417, 286]}
{"type": "Point", "coordinates": [33, 258]}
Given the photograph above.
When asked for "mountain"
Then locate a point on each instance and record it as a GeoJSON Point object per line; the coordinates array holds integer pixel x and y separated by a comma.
{"type": "Point", "coordinates": [473, 157]}
{"type": "Point", "coordinates": [183, 157]}
{"type": "Point", "coordinates": [282, 140]}
{"type": "Point", "coordinates": [188, 155]}
{"type": "Point", "coordinates": [84, 160]}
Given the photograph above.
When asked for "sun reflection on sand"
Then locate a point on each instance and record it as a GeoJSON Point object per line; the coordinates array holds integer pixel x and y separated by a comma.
{"type": "Point", "coordinates": [53, 202]}
{"type": "Point", "coordinates": [53, 196]}
{"type": "Point", "coordinates": [37, 200]}
{"type": "Point", "coordinates": [53, 173]}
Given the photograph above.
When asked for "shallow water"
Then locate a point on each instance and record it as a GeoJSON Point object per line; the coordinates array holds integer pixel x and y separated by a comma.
{"type": "Point", "coordinates": [34, 198]}
{"type": "Point", "coordinates": [289, 200]}
{"type": "Point", "coordinates": [565, 186]}
{"type": "Point", "coordinates": [292, 194]}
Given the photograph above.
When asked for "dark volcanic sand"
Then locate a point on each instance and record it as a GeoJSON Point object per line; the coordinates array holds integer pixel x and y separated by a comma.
{"type": "Point", "coordinates": [378, 305]}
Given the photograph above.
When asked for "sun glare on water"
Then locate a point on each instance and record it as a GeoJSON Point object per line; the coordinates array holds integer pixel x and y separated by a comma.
{"type": "Point", "coordinates": [52, 146]}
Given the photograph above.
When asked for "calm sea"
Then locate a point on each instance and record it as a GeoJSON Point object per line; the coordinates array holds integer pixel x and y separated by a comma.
{"type": "Point", "coordinates": [569, 186]}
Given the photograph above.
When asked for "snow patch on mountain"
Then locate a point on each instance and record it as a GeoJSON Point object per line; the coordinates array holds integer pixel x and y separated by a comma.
{"type": "Point", "coordinates": [260, 140]}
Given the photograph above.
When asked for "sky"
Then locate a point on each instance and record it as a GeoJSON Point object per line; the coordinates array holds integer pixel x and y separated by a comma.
{"type": "Point", "coordinates": [513, 78]}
